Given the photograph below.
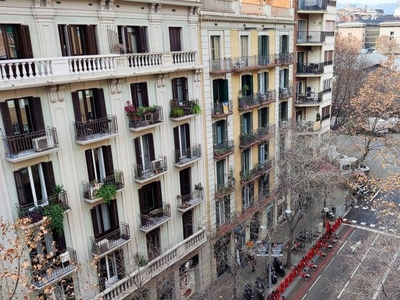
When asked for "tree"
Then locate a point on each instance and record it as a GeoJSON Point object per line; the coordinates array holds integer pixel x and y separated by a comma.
{"type": "Point", "coordinates": [386, 46]}
{"type": "Point", "coordinates": [306, 177]}
{"type": "Point", "coordinates": [349, 75]}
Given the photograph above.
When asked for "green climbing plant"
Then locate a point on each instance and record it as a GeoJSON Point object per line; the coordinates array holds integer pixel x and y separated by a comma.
{"type": "Point", "coordinates": [107, 192]}
{"type": "Point", "coordinates": [56, 215]}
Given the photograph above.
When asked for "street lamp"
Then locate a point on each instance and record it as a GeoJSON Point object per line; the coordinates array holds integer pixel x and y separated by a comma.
{"type": "Point", "coordinates": [265, 227]}
{"type": "Point", "coordinates": [326, 210]}
{"type": "Point", "coordinates": [289, 218]}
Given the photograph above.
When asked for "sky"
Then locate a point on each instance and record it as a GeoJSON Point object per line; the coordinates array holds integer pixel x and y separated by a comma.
{"type": "Point", "coordinates": [370, 2]}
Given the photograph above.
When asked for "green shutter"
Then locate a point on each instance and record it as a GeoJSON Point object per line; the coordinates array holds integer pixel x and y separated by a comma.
{"type": "Point", "coordinates": [215, 90]}
{"type": "Point", "coordinates": [225, 92]}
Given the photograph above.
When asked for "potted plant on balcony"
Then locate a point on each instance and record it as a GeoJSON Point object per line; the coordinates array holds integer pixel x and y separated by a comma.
{"type": "Point", "coordinates": [56, 215]}
{"type": "Point", "coordinates": [198, 187]}
{"type": "Point", "coordinates": [318, 117]}
{"type": "Point", "coordinates": [245, 90]}
{"type": "Point", "coordinates": [57, 192]}
{"type": "Point", "coordinates": [107, 192]}
{"type": "Point", "coordinates": [140, 260]}
{"type": "Point", "coordinates": [195, 109]}
{"type": "Point", "coordinates": [131, 111]}
{"type": "Point", "coordinates": [176, 112]}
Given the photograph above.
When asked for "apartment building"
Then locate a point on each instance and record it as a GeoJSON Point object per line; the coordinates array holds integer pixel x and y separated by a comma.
{"type": "Point", "coordinates": [129, 177]}
{"type": "Point", "coordinates": [314, 66]}
{"type": "Point", "coordinates": [247, 49]}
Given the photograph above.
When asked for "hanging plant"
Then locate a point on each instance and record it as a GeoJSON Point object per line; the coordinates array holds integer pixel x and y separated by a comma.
{"type": "Point", "coordinates": [107, 192]}
{"type": "Point", "coordinates": [56, 215]}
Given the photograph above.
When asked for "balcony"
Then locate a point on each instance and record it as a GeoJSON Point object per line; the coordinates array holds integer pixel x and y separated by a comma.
{"type": "Point", "coordinates": [128, 285]}
{"type": "Point", "coordinates": [223, 149]}
{"type": "Point", "coordinates": [19, 73]}
{"type": "Point", "coordinates": [90, 188]}
{"type": "Point", "coordinates": [264, 133]}
{"type": "Point", "coordinates": [310, 38]}
{"type": "Point", "coordinates": [184, 110]}
{"type": "Point", "coordinates": [308, 98]}
{"type": "Point", "coordinates": [222, 109]}
{"type": "Point", "coordinates": [310, 69]}
{"type": "Point", "coordinates": [250, 175]}
{"type": "Point", "coordinates": [187, 156]}
{"type": "Point", "coordinates": [152, 118]}
{"type": "Point", "coordinates": [30, 145]}
{"type": "Point", "coordinates": [308, 126]}
{"type": "Point", "coordinates": [155, 218]}
{"type": "Point", "coordinates": [265, 166]}
{"type": "Point", "coordinates": [248, 139]}
{"type": "Point", "coordinates": [112, 241]}
{"type": "Point", "coordinates": [189, 201]}
{"type": "Point", "coordinates": [54, 268]}
{"type": "Point", "coordinates": [267, 97]}
{"type": "Point", "coordinates": [96, 130]}
{"type": "Point", "coordinates": [284, 58]}
{"type": "Point", "coordinates": [312, 6]}
{"type": "Point", "coordinates": [225, 189]}
{"type": "Point", "coordinates": [285, 92]}
{"type": "Point", "coordinates": [285, 124]}
{"type": "Point", "coordinates": [150, 170]}
{"type": "Point", "coordinates": [38, 211]}
{"type": "Point", "coordinates": [248, 102]}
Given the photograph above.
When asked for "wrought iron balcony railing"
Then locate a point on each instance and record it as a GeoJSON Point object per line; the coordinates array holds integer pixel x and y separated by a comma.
{"type": "Point", "coordinates": [224, 189]}
{"type": "Point", "coordinates": [222, 108]}
{"type": "Point", "coordinates": [184, 109]}
{"type": "Point", "coordinates": [248, 139]}
{"type": "Point", "coordinates": [152, 117]}
{"type": "Point", "coordinates": [309, 97]}
{"type": "Point", "coordinates": [90, 188]}
{"type": "Point", "coordinates": [286, 92]}
{"type": "Point", "coordinates": [111, 241]}
{"type": "Point", "coordinates": [150, 169]}
{"type": "Point", "coordinates": [190, 200]}
{"type": "Point", "coordinates": [266, 97]}
{"type": "Point", "coordinates": [248, 102]}
{"type": "Point", "coordinates": [310, 37]}
{"type": "Point", "coordinates": [94, 129]}
{"type": "Point", "coordinates": [185, 156]}
{"type": "Point", "coordinates": [310, 68]}
{"type": "Point", "coordinates": [223, 149]}
{"type": "Point", "coordinates": [265, 132]}
{"type": "Point", "coordinates": [30, 144]}
{"type": "Point", "coordinates": [155, 218]}
{"type": "Point", "coordinates": [312, 5]}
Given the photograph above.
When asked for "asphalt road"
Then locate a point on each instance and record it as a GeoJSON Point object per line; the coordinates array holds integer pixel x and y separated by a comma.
{"type": "Point", "coordinates": [335, 279]}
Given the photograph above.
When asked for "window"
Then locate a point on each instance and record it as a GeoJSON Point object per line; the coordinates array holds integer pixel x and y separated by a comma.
{"type": "Point", "coordinates": [247, 85]}
{"type": "Point", "coordinates": [330, 28]}
{"type": "Point", "coordinates": [220, 169]}
{"type": "Point", "coordinates": [182, 141]}
{"type": "Point", "coordinates": [153, 244]}
{"type": "Point", "coordinates": [34, 184]}
{"type": "Point", "coordinates": [263, 117]}
{"type": "Point", "coordinates": [180, 89]}
{"type": "Point", "coordinates": [244, 46]}
{"type": "Point", "coordinates": [89, 105]}
{"type": "Point", "coordinates": [144, 150]}
{"type": "Point", "coordinates": [133, 39]}
{"type": "Point", "coordinates": [283, 111]}
{"type": "Point", "coordinates": [248, 196]}
{"type": "Point", "coordinates": [215, 47]}
{"type": "Point", "coordinates": [246, 121]}
{"type": "Point", "coordinates": [220, 90]}
{"type": "Point", "coordinates": [327, 85]}
{"type": "Point", "coordinates": [220, 132]}
{"type": "Point", "coordinates": [150, 197]}
{"type": "Point", "coordinates": [99, 163]}
{"type": "Point", "coordinates": [111, 268]}
{"type": "Point", "coordinates": [139, 94]}
{"type": "Point", "coordinates": [328, 57]}
{"type": "Point", "coordinates": [15, 42]}
{"type": "Point", "coordinates": [326, 112]}
{"type": "Point", "coordinates": [223, 211]}
{"type": "Point", "coordinates": [175, 39]}
{"type": "Point", "coordinates": [264, 186]}
{"type": "Point", "coordinates": [246, 160]}
{"type": "Point", "coordinates": [284, 44]}
{"type": "Point", "coordinates": [185, 181]}
{"type": "Point", "coordinates": [263, 152]}
{"type": "Point", "coordinates": [284, 78]}
{"type": "Point", "coordinates": [263, 82]}
{"type": "Point", "coordinates": [104, 219]}
{"type": "Point", "coordinates": [22, 115]}
{"type": "Point", "coordinates": [77, 40]}
{"type": "Point", "coordinates": [263, 47]}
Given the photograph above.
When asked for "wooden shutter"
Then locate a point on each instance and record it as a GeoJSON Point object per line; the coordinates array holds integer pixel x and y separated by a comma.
{"type": "Point", "coordinates": [250, 85]}
{"type": "Point", "coordinates": [60, 241]}
{"type": "Point", "coordinates": [142, 205]}
{"type": "Point", "coordinates": [37, 114]}
{"type": "Point", "coordinates": [225, 91]}
{"type": "Point", "coordinates": [151, 147]}
{"type": "Point", "coordinates": [134, 94]}
{"type": "Point", "coordinates": [108, 161]}
{"type": "Point", "coordinates": [138, 150]}
{"type": "Point", "coordinates": [113, 209]}
{"type": "Point", "coordinates": [242, 124]}
{"type": "Point", "coordinates": [186, 90]}
{"type": "Point", "coordinates": [259, 82]}
{"type": "Point", "coordinates": [89, 164]}
{"type": "Point", "coordinates": [260, 48]}
{"type": "Point", "coordinates": [145, 96]}
{"type": "Point", "coordinates": [187, 223]}
{"type": "Point", "coordinates": [5, 114]}
{"type": "Point", "coordinates": [142, 40]}
{"type": "Point", "coordinates": [187, 130]}
{"type": "Point", "coordinates": [100, 104]}
{"type": "Point", "coordinates": [20, 187]}
{"type": "Point", "coordinates": [176, 138]}
{"type": "Point", "coordinates": [215, 91]}
{"type": "Point", "coordinates": [175, 38]}
{"type": "Point", "coordinates": [119, 257]}
{"type": "Point", "coordinates": [95, 221]}
{"type": "Point", "coordinates": [49, 180]}
{"type": "Point", "coordinates": [158, 194]}
{"type": "Point", "coordinates": [90, 40]}
{"type": "Point", "coordinates": [77, 107]}
{"type": "Point", "coordinates": [63, 44]}
{"type": "Point", "coordinates": [26, 46]}
{"type": "Point", "coordinates": [174, 83]}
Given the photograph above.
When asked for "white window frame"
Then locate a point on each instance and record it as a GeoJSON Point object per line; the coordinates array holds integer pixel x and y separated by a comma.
{"type": "Point", "coordinates": [102, 169]}
{"type": "Point", "coordinates": [42, 185]}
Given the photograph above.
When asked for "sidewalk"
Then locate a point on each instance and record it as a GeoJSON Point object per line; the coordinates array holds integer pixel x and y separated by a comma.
{"type": "Point", "coordinates": [223, 288]}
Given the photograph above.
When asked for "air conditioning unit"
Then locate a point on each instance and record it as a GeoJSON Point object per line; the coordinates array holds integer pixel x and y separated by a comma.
{"type": "Point", "coordinates": [310, 89]}
{"type": "Point", "coordinates": [42, 143]}
{"type": "Point", "coordinates": [103, 245]}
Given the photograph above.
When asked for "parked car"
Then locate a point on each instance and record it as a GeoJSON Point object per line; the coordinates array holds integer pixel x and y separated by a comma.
{"type": "Point", "coordinates": [363, 168]}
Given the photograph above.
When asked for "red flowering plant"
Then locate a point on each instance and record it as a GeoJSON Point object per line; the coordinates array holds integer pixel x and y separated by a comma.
{"type": "Point", "coordinates": [130, 109]}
